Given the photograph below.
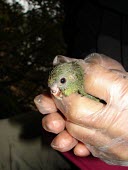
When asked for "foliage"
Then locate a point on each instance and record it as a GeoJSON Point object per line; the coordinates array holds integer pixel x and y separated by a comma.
{"type": "Point", "coordinates": [29, 42]}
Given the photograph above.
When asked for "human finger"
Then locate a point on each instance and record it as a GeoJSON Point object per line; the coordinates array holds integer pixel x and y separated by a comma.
{"type": "Point", "coordinates": [45, 104]}
{"type": "Point", "coordinates": [53, 123]}
{"type": "Point", "coordinates": [104, 61]}
{"type": "Point", "coordinates": [81, 110]}
{"type": "Point", "coordinates": [63, 142]}
{"type": "Point", "coordinates": [87, 135]}
{"type": "Point", "coordinates": [81, 150]}
{"type": "Point", "coordinates": [99, 80]}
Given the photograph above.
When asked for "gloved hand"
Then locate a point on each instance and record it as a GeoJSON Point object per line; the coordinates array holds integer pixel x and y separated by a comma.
{"type": "Point", "coordinates": [91, 126]}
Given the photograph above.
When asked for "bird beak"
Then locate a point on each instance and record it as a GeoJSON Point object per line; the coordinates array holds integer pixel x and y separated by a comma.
{"type": "Point", "coordinates": [55, 90]}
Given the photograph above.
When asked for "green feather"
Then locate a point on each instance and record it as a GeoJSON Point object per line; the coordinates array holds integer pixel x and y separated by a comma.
{"type": "Point", "coordinates": [73, 73]}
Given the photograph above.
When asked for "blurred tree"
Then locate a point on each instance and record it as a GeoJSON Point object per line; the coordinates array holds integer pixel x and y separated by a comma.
{"type": "Point", "coordinates": [28, 43]}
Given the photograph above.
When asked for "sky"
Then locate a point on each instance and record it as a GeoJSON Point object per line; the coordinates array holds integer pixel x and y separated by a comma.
{"type": "Point", "coordinates": [24, 3]}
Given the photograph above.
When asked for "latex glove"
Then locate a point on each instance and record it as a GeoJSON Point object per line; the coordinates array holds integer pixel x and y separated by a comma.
{"type": "Point", "coordinates": [101, 128]}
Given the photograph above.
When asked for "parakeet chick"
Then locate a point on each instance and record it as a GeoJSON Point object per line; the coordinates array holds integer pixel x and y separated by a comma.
{"type": "Point", "coordinates": [67, 78]}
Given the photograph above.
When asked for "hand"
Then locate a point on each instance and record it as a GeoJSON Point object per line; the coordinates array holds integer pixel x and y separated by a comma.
{"type": "Point", "coordinates": [100, 128]}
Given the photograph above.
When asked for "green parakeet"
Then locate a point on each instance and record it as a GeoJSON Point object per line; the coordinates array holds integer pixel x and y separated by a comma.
{"type": "Point", "coordinates": [67, 78]}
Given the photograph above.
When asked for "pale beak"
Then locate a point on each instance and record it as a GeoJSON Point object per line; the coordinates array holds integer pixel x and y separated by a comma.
{"type": "Point", "coordinates": [55, 90]}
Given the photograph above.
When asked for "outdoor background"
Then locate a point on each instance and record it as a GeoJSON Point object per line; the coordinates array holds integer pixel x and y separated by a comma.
{"type": "Point", "coordinates": [33, 32]}
{"type": "Point", "coordinates": [31, 35]}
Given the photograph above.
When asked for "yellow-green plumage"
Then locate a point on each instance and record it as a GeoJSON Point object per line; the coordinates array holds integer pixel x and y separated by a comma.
{"type": "Point", "coordinates": [69, 78]}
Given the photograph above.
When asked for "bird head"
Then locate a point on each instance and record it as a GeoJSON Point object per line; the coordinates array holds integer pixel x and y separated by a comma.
{"type": "Point", "coordinates": [65, 79]}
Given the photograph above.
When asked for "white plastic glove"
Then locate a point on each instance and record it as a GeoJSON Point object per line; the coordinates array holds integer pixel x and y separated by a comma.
{"type": "Point", "coordinates": [101, 129]}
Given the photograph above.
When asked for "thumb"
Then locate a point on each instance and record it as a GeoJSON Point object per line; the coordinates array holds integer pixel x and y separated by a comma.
{"type": "Point", "coordinates": [100, 80]}
{"type": "Point", "coordinates": [104, 61]}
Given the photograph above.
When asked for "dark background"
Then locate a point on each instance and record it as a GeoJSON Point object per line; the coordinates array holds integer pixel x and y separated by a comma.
{"type": "Point", "coordinates": [30, 40]}
{"type": "Point", "coordinates": [28, 43]}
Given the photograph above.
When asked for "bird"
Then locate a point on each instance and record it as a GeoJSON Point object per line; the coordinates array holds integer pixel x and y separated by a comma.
{"type": "Point", "coordinates": [68, 78]}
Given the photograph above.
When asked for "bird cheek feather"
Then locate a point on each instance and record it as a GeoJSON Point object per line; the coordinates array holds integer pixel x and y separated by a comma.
{"type": "Point", "coordinates": [71, 78]}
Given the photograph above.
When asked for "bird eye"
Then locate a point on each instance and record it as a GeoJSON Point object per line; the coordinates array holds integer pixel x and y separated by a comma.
{"type": "Point", "coordinates": [63, 80]}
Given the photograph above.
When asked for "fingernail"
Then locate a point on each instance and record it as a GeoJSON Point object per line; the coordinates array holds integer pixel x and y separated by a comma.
{"type": "Point", "coordinates": [56, 126]}
{"type": "Point", "coordinates": [40, 104]}
{"type": "Point", "coordinates": [59, 145]}
{"type": "Point", "coordinates": [64, 144]}
{"type": "Point", "coordinates": [44, 104]}
{"type": "Point", "coordinates": [38, 99]}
